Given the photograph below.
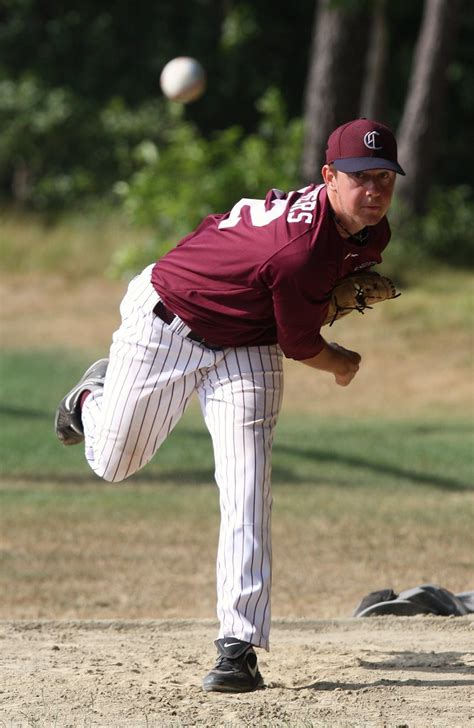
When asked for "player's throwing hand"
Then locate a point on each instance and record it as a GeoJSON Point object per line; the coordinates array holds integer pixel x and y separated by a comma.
{"type": "Point", "coordinates": [346, 364]}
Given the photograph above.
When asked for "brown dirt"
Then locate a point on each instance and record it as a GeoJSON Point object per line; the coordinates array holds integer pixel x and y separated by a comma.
{"type": "Point", "coordinates": [384, 672]}
{"type": "Point", "coordinates": [49, 311]}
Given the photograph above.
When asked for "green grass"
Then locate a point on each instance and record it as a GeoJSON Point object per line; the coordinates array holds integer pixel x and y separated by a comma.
{"type": "Point", "coordinates": [358, 505]}
{"type": "Point", "coordinates": [355, 453]}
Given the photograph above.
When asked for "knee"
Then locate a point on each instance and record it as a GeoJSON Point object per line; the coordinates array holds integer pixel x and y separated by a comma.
{"type": "Point", "coordinates": [112, 477]}
{"type": "Point", "coordinates": [117, 460]}
{"type": "Point", "coordinates": [111, 469]}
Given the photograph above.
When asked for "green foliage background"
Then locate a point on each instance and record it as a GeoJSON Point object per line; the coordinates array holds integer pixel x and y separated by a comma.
{"type": "Point", "coordinates": [84, 125]}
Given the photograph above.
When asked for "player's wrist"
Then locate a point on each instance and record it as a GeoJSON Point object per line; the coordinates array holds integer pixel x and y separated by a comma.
{"type": "Point", "coordinates": [326, 360]}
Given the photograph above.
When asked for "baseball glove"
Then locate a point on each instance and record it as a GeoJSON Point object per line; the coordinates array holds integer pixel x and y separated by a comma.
{"type": "Point", "coordinates": [358, 291]}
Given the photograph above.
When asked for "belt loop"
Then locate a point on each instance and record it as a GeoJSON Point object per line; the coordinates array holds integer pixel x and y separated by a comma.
{"type": "Point", "coordinates": [179, 327]}
{"type": "Point", "coordinates": [174, 322]}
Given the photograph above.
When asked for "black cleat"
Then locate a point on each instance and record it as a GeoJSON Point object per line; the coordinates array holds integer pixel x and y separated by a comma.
{"type": "Point", "coordinates": [236, 669]}
{"type": "Point", "coordinates": [68, 423]}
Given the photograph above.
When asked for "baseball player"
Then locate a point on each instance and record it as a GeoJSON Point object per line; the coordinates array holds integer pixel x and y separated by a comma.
{"type": "Point", "coordinates": [214, 317]}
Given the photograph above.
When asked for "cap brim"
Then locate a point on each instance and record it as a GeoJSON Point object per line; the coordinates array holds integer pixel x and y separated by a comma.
{"type": "Point", "coordinates": [360, 164]}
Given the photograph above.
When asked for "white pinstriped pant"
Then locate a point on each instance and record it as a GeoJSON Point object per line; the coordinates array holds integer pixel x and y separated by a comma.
{"type": "Point", "coordinates": [152, 374]}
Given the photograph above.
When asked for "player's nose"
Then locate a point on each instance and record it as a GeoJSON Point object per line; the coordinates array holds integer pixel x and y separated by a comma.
{"type": "Point", "coordinates": [372, 187]}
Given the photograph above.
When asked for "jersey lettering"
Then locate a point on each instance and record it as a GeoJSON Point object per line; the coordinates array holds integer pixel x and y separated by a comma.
{"type": "Point", "coordinates": [300, 217]}
{"type": "Point", "coordinates": [301, 211]}
{"type": "Point", "coordinates": [259, 214]}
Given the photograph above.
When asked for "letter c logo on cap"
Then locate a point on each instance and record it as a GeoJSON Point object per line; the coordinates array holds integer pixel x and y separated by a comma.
{"type": "Point", "coordinates": [370, 140]}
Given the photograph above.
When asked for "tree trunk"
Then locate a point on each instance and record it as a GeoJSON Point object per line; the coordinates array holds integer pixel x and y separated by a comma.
{"type": "Point", "coordinates": [418, 134]}
{"type": "Point", "coordinates": [373, 92]}
{"type": "Point", "coordinates": [335, 75]}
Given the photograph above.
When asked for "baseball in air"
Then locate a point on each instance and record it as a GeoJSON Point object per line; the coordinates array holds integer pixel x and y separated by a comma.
{"type": "Point", "coordinates": [183, 79]}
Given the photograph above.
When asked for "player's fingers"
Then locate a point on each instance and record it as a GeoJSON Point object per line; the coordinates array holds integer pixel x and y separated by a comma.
{"type": "Point", "coordinates": [344, 379]}
{"type": "Point", "coordinates": [352, 355]}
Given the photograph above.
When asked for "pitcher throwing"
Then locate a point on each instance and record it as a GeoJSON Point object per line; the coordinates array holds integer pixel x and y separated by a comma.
{"type": "Point", "coordinates": [214, 317]}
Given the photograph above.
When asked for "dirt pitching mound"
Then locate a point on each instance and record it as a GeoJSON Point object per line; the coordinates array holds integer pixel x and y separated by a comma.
{"type": "Point", "coordinates": [386, 671]}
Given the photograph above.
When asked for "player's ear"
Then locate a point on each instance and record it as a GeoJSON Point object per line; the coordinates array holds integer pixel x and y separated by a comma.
{"type": "Point", "coordinates": [329, 176]}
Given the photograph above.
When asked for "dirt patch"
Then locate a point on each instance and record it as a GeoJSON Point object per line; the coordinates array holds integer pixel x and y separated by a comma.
{"type": "Point", "coordinates": [53, 311]}
{"type": "Point", "coordinates": [409, 672]}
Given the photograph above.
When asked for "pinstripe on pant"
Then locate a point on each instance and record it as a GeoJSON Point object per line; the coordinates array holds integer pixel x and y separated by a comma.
{"type": "Point", "coordinates": [152, 374]}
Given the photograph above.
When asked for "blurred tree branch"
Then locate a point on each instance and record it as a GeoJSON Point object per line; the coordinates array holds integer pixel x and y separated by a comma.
{"type": "Point", "coordinates": [336, 69]}
{"type": "Point", "coordinates": [418, 134]}
{"type": "Point", "coordinates": [372, 103]}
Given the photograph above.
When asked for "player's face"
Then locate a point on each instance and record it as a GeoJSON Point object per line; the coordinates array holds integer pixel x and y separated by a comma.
{"type": "Point", "coordinates": [361, 198]}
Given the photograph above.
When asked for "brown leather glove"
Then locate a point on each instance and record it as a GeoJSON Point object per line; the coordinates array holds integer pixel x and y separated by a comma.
{"type": "Point", "coordinates": [359, 291]}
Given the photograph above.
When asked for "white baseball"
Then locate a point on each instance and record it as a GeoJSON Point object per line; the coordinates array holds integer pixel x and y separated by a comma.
{"type": "Point", "coordinates": [183, 79]}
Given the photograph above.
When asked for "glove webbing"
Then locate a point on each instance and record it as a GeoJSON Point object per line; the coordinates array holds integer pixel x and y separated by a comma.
{"type": "Point", "coordinates": [360, 306]}
{"type": "Point", "coordinates": [360, 301]}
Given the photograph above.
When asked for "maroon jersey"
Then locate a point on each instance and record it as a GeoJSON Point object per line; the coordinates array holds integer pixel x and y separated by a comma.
{"type": "Point", "coordinates": [263, 272]}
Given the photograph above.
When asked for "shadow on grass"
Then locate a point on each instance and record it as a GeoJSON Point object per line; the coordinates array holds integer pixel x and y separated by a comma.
{"type": "Point", "coordinates": [20, 411]}
{"type": "Point", "coordinates": [383, 469]}
{"type": "Point", "coordinates": [204, 476]}
{"type": "Point", "coordinates": [24, 412]}
{"type": "Point", "coordinates": [167, 471]}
